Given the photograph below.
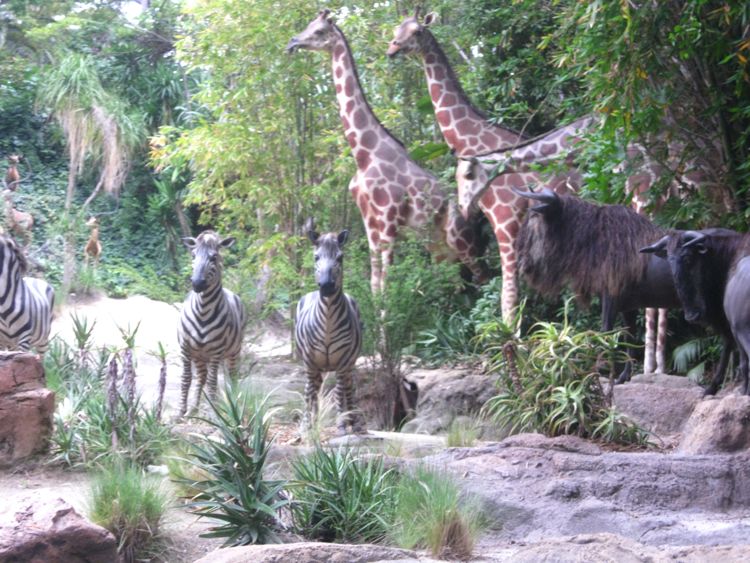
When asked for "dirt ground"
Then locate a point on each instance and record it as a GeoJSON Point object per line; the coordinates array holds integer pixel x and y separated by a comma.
{"type": "Point", "coordinates": [158, 321]}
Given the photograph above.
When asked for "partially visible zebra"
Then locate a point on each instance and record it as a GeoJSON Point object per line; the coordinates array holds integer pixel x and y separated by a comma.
{"type": "Point", "coordinates": [329, 333]}
{"type": "Point", "coordinates": [25, 303]}
{"type": "Point", "coordinates": [212, 319]}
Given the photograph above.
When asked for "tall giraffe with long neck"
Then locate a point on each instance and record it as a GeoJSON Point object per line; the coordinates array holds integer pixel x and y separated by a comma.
{"type": "Point", "coordinates": [468, 132]}
{"type": "Point", "coordinates": [390, 189]}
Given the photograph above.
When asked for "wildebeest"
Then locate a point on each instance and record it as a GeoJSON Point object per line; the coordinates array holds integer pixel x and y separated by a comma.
{"type": "Point", "coordinates": [711, 274]}
{"type": "Point", "coordinates": [593, 249]}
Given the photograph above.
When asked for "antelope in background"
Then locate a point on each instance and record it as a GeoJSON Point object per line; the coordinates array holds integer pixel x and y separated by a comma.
{"type": "Point", "coordinates": [12, 177]}
{"type": "Point", "coordinates": [19, 223]}
{"type": "Point", "coordinates": [93, 248]}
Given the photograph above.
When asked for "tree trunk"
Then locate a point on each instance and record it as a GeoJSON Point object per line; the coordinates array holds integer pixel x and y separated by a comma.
{"type": "Point", "coordinates": [69, 247]}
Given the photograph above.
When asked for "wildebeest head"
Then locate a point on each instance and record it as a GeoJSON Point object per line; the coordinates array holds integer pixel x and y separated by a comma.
{"type": "Point", "coordinates": [687, 254]}
{"type": "Point", "coordinates": [329, 260]}
{"type": "Point", "coordinates": [408, 34]}
{"type": "Point", "coordinates": [206, 258]}
{"type": "Point", "coordinates": [319, 35]}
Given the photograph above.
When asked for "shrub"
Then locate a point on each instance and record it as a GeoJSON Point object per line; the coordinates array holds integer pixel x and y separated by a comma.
{"type": "Point", "coordinates": [431, 514]}
{"type": "Point", "coordinates": [550, 383]}
{"type": "Point", "coordinates": [462, 433]}
{"type": "Point", "coordinates": [233, 489]}
{"type": "Point", "coordinates": [131, 505]}
{"type": "Point", "coordinates": [340, 496]}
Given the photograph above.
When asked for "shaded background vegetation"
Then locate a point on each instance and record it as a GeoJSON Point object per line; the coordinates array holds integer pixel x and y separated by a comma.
{"type": "Point", "coordinates": [216, 126]}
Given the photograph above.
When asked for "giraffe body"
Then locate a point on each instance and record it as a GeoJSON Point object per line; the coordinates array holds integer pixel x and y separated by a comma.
{"type": "Point", "coordinates": [390, 189]}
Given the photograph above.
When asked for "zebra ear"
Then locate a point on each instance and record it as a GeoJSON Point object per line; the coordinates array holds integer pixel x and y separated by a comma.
{"type": "Point", "coordinates": [429, 19]}
{"type": "Point", "coordinates": [227, 242]}
{"type": "Point", "coordinates": [23, 265]}
{"type": "Point", "coordinates": [313, 236]}
{"type": "Point", "coordinates": [190, 242]}
{"type": "Point", "coordinates": [343, 237]}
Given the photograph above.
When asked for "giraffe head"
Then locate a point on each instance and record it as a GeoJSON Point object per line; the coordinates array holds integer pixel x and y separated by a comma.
{"type": "Point", "coordinates": [319, 35]}
{"type": "Point", "coordinates": [329, 260]}
{"type": "Point", "coordinates": [407, 36]}
{"type": "Point", "coordinates": [206, 258]}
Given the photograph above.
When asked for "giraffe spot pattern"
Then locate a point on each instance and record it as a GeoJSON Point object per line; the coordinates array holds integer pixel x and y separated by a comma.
{"type": "Point", "coordinates": [380, 196]}
{"type": "Point", "coordinates": [369, 139]}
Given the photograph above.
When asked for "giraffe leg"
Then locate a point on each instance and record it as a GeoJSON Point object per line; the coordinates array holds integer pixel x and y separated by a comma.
{"type": "Point", "coordinates": [312, 390]}
{"type": "Point", "coordinates": [201, 371]}
{"type": "Point", "coordinates": [187, 376]}
{"type": "Point", "coordinates": [649, 360]}
{"type": "Point", "coordinates": [661, 342]}
{"type": "Point", "coordinates": [509, 298]}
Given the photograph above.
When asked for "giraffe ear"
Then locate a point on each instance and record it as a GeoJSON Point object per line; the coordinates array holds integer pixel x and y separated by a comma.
{"type": "Point", "coordinates": [429, 19]}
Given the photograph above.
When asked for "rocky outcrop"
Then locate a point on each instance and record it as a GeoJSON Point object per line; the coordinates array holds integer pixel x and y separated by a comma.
{"type": "Point", "coordinates": [534, 487]}
{"type": "Point", "coordinates": [718, 425]}
{"type": "Point", "coordinates": [446, 394]}
{"type": "Point", "coordinates": [310, 552]}
{"type": "Point", "coordinates": [26, 407]}
{"type": "Point", "coordinates": [41, 531]}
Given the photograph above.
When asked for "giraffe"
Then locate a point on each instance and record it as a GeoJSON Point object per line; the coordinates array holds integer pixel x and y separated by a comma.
{"type": "Point", "coordinates": [467, 132]}
{"type": "Point", "coordinates": [390, 189]}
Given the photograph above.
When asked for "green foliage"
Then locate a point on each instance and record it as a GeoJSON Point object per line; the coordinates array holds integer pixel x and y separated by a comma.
{"type": "Point", "coordinates": [549, 383]}
{"type": "Point", "coordinates": [230, 482]}
{"type": "Point", "coordinates": [432, 513]}
{"type": "Point", "coordinates": [462, 433]}
{"type": "Point", "coordinates": [132, 506]}
{"type": "Point", "coordinates": [343, 496]}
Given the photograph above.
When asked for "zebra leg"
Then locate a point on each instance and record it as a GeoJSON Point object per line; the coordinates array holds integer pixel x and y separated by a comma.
{"type": "Point", "coordinates": [232, 363]}
{"type": "Point", "coordinates": [201, 371]}
{"type": "Point", "coordinates": [312, 390]}
{"type": "Point", "coordinates": [345, 403]}
{"type": "Point", "coordinates": [187, 376]}
{"type": "Point", "coordinates": [661, 342]}
{"type": "Point", "coordinates": [213, 378]}
{"type": "Point", "coordinates": [649, 361]}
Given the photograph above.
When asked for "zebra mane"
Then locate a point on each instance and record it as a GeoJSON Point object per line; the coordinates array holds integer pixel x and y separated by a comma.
{"type": "Point", "coordinates": [23, 264]}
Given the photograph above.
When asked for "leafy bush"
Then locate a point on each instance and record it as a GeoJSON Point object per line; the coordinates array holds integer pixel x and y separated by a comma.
{"type": "Point", "coordinates": [131, 505]}
{"type": "Point", "coordinates": [341, 496]}
{"type": "Point", "coordinates": [231, 487]}
{"type": "Point", "coordinates": [430, 513]}
{"type": "Point", "coordinates": [550, 383]}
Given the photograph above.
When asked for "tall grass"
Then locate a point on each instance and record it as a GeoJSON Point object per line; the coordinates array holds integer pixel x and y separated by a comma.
{"type": "Point", "coordinates": [131, 505]}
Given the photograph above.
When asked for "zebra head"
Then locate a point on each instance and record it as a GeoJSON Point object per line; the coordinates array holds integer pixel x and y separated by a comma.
{"type": "Point", "coordinates": [329, 260]}
{"type": "Point", "coordinates": [12, 260]}
{"type": "Point", "coordinates": [206, 259]}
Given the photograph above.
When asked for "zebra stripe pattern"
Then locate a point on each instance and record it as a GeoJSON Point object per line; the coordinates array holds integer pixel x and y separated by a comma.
{"type": "Point", "coordinates": [329, 333]}
{"type": "Point", "coordinates": [25, 303]}
{"type": "Point", "coordinates": [211, 322]}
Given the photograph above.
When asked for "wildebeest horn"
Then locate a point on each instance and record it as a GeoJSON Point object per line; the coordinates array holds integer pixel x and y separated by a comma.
{"type": "Point", "coordinates": [693, 238]}
{"type": "Point", "coordinates": [657, 248]}
{"type": "Point", "coordinates": [548, 199]}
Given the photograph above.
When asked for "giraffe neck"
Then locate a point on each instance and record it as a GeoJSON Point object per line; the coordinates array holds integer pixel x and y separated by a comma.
{"type": "Point", "coordinates": [465, 128]}
{"type": "Point", "coordinates": [362, 129]}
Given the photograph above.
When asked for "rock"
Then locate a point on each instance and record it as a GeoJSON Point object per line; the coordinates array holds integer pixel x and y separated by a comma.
{"type": "Point", "coordinates": [446, 394]}
{"type": "Point", "coordinates": [533, 488]}
{"type": "Point", "coordinates": [310, 552]}
{"type": "Point", "coordinates": [26, 407]}
{"type": "Point", "coordinates": [42, 531]}
{"type": "Point", "coordinates": [718, 425]}
{"type": "Point", "coordinates": [660, 403]}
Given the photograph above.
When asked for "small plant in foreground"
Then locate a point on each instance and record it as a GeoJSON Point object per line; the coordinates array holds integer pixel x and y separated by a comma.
{"type": "Point", "coordinates": [131, 505]}
{"type": "Point", "coordinates": [462, 433]}
{"type": "Point", "coordinates": [340, 496]}
{"type": "Point", "coordinates": [430, 513]}
{"type": "Point", "coordinates": [231, 487]}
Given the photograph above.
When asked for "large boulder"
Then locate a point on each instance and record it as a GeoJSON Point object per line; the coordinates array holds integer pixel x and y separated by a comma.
{"type": "Point", "coordinates": [26, 407]}
{"type": "Point", "coordinates": [310, 552]}
{"type": "Point", "coordinates": [446, 394]}
{"type": "Point", "coordinates": [534, 488]}
{"type": "Point", "coordinates": [41, 531]}
{"type": "Point", "coordinates": [718, 425]}
{"type": "Point", "coordinates": [660, 403]}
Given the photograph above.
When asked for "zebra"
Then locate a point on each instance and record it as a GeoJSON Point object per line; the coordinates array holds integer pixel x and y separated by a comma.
{"type": "Point", "coordinates": [328, 332]}
{"type": "Point", "coordinates": [25, 303]}
{"type": "Point", "coordinates": [211, 321]}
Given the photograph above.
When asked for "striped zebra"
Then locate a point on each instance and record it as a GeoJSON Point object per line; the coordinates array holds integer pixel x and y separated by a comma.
{"type": "Point", "coordinates": [211, 321]}
{"type": "Point", "coordinates": [329, 333]}
{"type": "Point", "coordinates": [25, 303]}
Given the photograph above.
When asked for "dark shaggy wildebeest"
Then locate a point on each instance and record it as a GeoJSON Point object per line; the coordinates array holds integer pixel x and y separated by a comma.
{"type": "Point", "coordinates": [711, 273]}
{"type": "Point", "coordinates": [593, 249]}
